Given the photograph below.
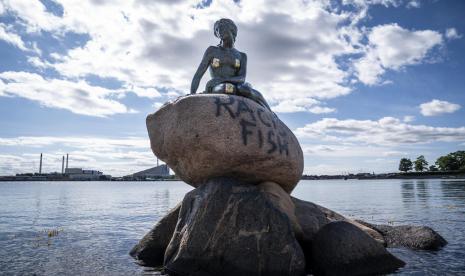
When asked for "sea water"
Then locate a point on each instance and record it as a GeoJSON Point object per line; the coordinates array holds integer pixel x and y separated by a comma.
{"type": "Point", "coordinates": [88, 228]}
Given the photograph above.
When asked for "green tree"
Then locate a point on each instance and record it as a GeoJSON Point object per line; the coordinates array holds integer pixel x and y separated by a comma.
{"type": "Point", "coordinates": [420, 164]}
{"type": "Point", "coordinates": [451, 162]}
{"type": "Point", "coordinates": [405, 165]}
{"type": "Point", "coordinates": [433, 168]}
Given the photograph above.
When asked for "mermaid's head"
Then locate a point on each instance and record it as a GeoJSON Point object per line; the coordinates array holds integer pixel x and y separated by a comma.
{"type": "Point", "coordinates": [225, 29]}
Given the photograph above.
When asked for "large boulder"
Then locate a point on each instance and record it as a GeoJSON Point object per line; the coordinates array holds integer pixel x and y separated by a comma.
{"type": "Point", "coordinates": [212, 135]}
{"type": "Point", "coordinates": [150, 251]}
{"type": "Point", "coordinates": [341, 248]}
{"type": "Point", "coordinates": [410, 236]}
{"type": "Point", "coordinates": [228, 227]}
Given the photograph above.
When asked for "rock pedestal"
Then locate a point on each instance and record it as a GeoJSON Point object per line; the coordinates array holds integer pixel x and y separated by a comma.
{"type": "Point", "coordinates": [241, 220]}
{"type": "Point", "coordinates": [228, 227]}
{"type": "Point", "coordinates": [205, 136]}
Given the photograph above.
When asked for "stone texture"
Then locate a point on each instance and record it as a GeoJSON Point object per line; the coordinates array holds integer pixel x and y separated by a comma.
{"type": "Point", "coordinates": [150, 250]}
{"type": "Point", "coordinates": [228, 227]}
{"type": "Point", "coordinates": [309, 217]}
{"type": "Point", "coordinates": [211, 135]}
{"type": "Point", "coordinates": [333, 216]}
{"type": "Point", "coordinates": [340, 248]}
{"type": "Point", "coordinates": [283, 202]}
{"type": "Point", "coordinates": [415, 237]}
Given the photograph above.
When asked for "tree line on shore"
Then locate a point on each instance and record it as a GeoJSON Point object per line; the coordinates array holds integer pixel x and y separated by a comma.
{"type": "Point", "coordinates": [454, 161]}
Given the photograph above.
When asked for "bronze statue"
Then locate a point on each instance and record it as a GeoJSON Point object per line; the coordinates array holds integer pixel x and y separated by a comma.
{"type": "Point", "coordinates": [227, 65]}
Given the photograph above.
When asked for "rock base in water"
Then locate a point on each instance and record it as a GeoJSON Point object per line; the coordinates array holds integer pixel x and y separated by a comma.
{"type": "Point", "coordinates": [415, 237]}
{"type": "Point", "coordinates": [228, 227]}
{"type": "Point", "coordinates": [150, 250]}
{"type": "Point", "coordinates": [340, 248]}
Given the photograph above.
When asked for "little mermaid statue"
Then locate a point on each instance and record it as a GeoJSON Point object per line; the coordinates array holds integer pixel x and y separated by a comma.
{"type": "Point", "coordinates": [227, 66]}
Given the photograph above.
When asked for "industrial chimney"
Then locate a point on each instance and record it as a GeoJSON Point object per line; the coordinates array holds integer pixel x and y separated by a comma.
{"type": "Point", "coordinates": [66, 161]}
{"type": "Point", "coordinates": [63, 165]}
{"type": "Point", "coordinates": [40, 164]}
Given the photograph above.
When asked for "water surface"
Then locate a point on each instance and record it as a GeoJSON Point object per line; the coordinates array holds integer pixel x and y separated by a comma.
{"type": "Point", "coordinates": [93, 225]}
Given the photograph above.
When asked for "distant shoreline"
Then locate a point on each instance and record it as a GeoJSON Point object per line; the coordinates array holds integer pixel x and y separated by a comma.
{"type": "Point", "coordinates": [407, 175]}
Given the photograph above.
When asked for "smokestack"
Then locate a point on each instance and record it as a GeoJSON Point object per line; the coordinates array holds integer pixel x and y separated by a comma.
{"type": "Point", "coordinates": [157, 161]}
{"type": "Point", "coordinates": [40, 164]}
{"type": "Point", "coordinates": [67, 161]}
{"type": "Point", "coordinates": [63, 165]}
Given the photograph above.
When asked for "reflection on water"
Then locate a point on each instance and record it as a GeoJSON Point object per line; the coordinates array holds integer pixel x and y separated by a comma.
{"type": "Point", "coordinates": [97, 223]}
{"type": "Point", "coordinates": [453, 190]}
{"type": "Point", "coordinates": [416, 192]}
{"type": "Point", "coordinates": [408, 190]}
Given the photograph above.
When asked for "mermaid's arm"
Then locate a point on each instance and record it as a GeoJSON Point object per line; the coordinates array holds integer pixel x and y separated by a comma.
{"type": "Point", "coordinates": [203, 66]}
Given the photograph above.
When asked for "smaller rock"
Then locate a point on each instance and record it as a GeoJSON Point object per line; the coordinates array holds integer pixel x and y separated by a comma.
{"type": "Point", "coordinates": [150, 251]}
{"type": "Point", "coordinates": [309, 217]}
{"type": "Point", "coordinates": [333, 216]}
{"type": "Point", "coordinates": [340, 248]}
{"type": "Point", "coordinates": [415, 237]}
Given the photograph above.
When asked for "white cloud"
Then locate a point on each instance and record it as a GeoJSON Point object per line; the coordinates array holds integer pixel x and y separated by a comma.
{"type": "Point", "coordinates": [347, 150]}
{"type": "Point", "coordinates": [452, 33]}
{"type": "Point", "coordinates": [386, 131]}
{"type": "Point", "coordinates": [408, 119]}
{"type": "Point", "coordinates": [157, 105]}
{"type": "Point", "coordinates": [90, 143]}
{"type": "Point", "coordinates": [386, 52]}
{"type": "Point", "coordinates": [33, 15]}
{"type": "Point", "coordinates": [413, 4]}
{"type": "Point", "coordinates": [147, 92]}
{"type": "Point", "coordinates": [437, 107]}
{"type": "Point", "coordinates": [301, 105]}
{"type": "Point", "coordinates": [11, 38]}
{"type": "Point", "coordinates": [116, 156]}
{"type": "Point", "coordinates": [77, 97]}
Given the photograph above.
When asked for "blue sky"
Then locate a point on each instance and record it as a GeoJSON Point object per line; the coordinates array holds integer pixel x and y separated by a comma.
{"type": "Point", "coordinates": [361, 83]}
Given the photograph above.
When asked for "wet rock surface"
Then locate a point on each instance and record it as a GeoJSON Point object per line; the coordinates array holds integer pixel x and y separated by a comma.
{"type": "Point", "coordinates": [340, 248]}
{"type": "Point", "coordinates": [414, 237]}
{"type": "Point", "coordinates": [333, 216]}
{"type": "Point", "coordinates": [309, 217]}
{"type": "Point", "coordinates": [232, 200]}
{"type": "Point", "coordinates": [205, 136]}
{"type": "Point", "coordinates": [150, 251]}
{"type": "Point", "coordinates": [228, 227]}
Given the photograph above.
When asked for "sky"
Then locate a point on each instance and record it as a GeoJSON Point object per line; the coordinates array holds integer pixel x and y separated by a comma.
{"type": "Point", "coordinates": [361, 83]}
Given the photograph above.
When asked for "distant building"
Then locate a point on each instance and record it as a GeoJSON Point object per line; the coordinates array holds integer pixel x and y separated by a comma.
{"type": "Point", "coordinates": [80, 174]}
{"type": "Point", "coordinates": [152, 173]}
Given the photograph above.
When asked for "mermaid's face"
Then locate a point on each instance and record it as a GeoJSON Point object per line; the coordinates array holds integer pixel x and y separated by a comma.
{"type": "Point", "coordinates": [227, 34]}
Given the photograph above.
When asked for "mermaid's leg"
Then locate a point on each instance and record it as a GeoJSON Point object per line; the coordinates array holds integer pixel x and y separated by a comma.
{"type": "Point", "coordinates": [249, 92]}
